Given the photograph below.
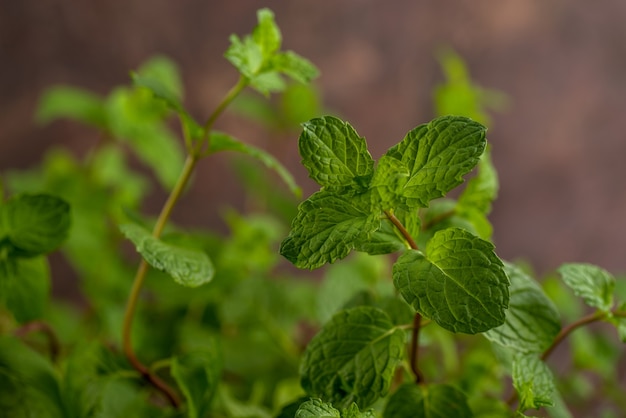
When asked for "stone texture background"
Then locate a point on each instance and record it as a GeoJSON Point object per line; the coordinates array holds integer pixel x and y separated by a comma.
{"type": "Point", "coordinates": [559, 149]}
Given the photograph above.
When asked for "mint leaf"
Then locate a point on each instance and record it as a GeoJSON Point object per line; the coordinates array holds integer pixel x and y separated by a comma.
{"type": "Point", "coordinates": [197, 374]}
{"type": "Point", "coordinates": [36, 223]}
{"type": "Point", "coordinates": [70, 102]}
{"type": "Point", "coordinates": [353, 357]}
{"type": "Point", "coordinates": [326, 229]}
{"type": "Point", "coordinates": [474, 204]}
{"type": "Point", "coordinates": [620, 323]}
{"type": "Point", "coordinates": [136, 117]}
{"type": "Point", "coordinates": [594, 284]}
{"type": "Point", "coordinates": [316, 408]}
{"type": "Point", "coordinates": [335, 155]}
{"type": "Point", "coordinates": [354, 412]}
{"type": "Point", "coordinates": [188, 267]}
{"type": "Point", "coordinates": [266, 34]}
{"type": "Point", "coordinates": [533, 381]}
{"type": "Point", "coordinates": [293, 65]}
{"type": "Point", "coordinates": [482, 189]}
{"type": "Point", "coordinates": [437, 155]}
{"type": "Point", "coordinates": [385, 240]}
{"type": "Point", "coordinates": [427, 401]}
{"type": "Point", "coordinates": [388, 239]}
{"type": "Point", "coordinates": [25, 287]}
{"type": "Point", "coordinates": [220, 141]}
{"type": "Point", "coordinates": [532, 320]}
{"type": "Point", "coordinates": [28, 382]}
{"type": "Point", "coordinates": [459, 282]}
{"type": "Point", "coordinates": [387, 183]}
{"type": "Point", "coordinates": [161, 77]}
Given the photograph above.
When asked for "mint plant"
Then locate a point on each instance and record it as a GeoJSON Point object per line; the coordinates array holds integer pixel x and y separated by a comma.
{"type": "Point", "coordinates": [213, 325]}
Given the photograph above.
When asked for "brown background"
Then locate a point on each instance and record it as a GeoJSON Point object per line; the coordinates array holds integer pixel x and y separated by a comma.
{"type": "Point", "coordinates": [559, 149]}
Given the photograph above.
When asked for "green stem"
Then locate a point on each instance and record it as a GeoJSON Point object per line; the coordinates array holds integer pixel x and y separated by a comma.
{"type": "Point", "coordinates": [190, 164]}
{"type": "Point", "coordinates": [564, 333]}
{"type": "Point", "coordinates": [396, 222]}
{"type": "Point", "coordinates": [596, 316]}
{"type": "Point", "coordinates": [417, 320]}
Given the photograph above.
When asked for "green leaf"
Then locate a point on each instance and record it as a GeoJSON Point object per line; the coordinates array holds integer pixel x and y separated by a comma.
{"type": "Point", "coordinates": [387, 183]}
{"type": "Point", "coordinates": [160, 77]}
{"type": "Point", "coordinates": [343, 281]}
{"type": "Point", "coordinates": [293, 65]}
{"type": "Point", "coordinates": [266, 34]}
{"type": "Point", "coordinates": [70, 102]}
{"type": "Point", "coordinates": [594, 284]}
{"type": "Point", "coordinates": [353, 358]}
{"type": "Point", "coordinates": [326, 229]}
{"type": "Point", "coordinates": [353, 412]}
{"type": "Point", "coordinates": [482, 189]}
{"type": "Point", "coordinates": [220, 141]}
{"type": "Point", "coordinates": [25, 287]}
{"type": "Point", "coordinates": [188, 267]}
{"type": "Point", "coordinates": [36, 223]}
{"type": "Point", "coordinates": [136, 117]}
{"type": "Point", "coordinates": [28, 383]}
{"type": "Point", "coordinates": [315, 408]}
{"type": "Point", "coordinates": [197, 374]}
{"type": "Point", "coordinates": [533, 381]}
{"type": "Point", "coordinates": [459, 283]}
{"type": "Point", "coordinates": [165, 72]}
{"type": "Point", "coordinates": [427, 401]}
{"type": "Point", "coordinates": [532, 320]}
{"type": "Point", "coordinates": [620, 323]}
{"type": "Point", "coordinates": [385, 240]}
{"type": "Point", "coordinates": [335, 155]}
{"type": "Point", "coordinates": [388, 239]}
{"type": "Point", "coordinates": [437, 155]}
{"type": "Point", "coordinates": [474, 204]}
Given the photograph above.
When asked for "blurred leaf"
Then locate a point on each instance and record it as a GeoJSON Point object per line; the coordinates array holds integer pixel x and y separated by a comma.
{"type": "Point", "coordinates": [188, 267]}
{"type": "Point", "coordinates": [138, 119]}
{"type": "Point", "coordinates": [29, 385]}
{"type": "Point", "coordinates": [460, 96]}
{"type": "Point", "coordinates": [316, 408]}
{"type": "Point", "coordinates": [425, 401]}
{"type": "Point", "coordinates": [532, 320]}
{"type": "Point", "coordinates": [25, 287]}
{"type": "Point", "coordinates": [594, 284]}
{"type": "Point", "coordinates": [36, 223]}
{"type": "Point", "coordinates": [70, 102]}
{"type": "Point", "coordinates": [223, 142]}
{"type": "Point", "coordinates": [533, 381]}
{"type": "Point", "coordinates": [197, 374]}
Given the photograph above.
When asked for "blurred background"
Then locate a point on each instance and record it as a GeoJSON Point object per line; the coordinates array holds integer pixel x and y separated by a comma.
{"type": "Point", "coordinates": [559, 145]}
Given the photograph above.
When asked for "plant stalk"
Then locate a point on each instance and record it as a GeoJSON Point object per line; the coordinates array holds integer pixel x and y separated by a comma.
{"type": "Point", "coordinates": [417, 320]}
{"type": "Point", "coordinates": [564, 333]}
{"type": "Point", "coordinates": [183, 179]}
{"type": "Point", "coordinates": [396, 222]}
